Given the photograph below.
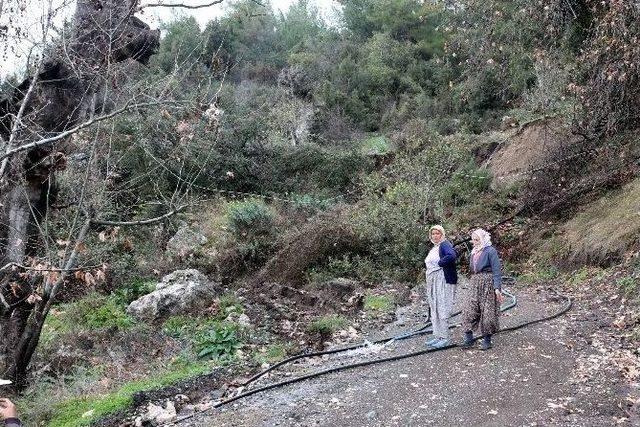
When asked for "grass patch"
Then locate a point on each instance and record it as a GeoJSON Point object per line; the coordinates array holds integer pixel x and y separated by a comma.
{"type": "Point", "coordinates": [379, 303]}
{"type": "Point", "coordinates": [273, 353]}
{"type": "Point", "coordinates": [92, 312]}
{"type": "Point", "coordinates": [540, 274]}
{"type": "Point", "coordinates": [376, 145]}
{"type": "Point", "coordinates": [326, 325]}
{"type": "Point", "coordinates": [614, 216]}
{"type": "Point", "coordinates": [70, 413]}
{"type": "Point", "coordinates": [628, 285]}
{"type": "Point", "coordinates": [584, 275]}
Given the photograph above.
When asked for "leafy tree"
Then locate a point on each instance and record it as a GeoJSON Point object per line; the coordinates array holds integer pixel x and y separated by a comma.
{"type": "Point", "coordinates": [181, 46]}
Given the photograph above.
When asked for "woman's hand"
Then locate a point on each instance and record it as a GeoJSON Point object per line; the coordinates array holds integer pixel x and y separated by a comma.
{"type": "Point", "coordinates": [499, 296]}
{"type": "Point", "coordinates": [7, 409]}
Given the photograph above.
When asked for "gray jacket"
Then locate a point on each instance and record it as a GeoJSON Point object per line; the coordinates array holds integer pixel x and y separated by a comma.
{"type": "Point", "coordinates": [489, 262]}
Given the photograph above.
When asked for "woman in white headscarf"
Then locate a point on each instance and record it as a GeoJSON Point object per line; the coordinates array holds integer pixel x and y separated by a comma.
{"type": "Point", "coordinates": [442, 280]}
{"type": "Point", "coordinates": [481, 306]}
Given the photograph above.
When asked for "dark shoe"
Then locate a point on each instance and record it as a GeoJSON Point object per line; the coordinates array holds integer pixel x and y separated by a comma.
{"type": "Point", "coordinates": [468, 341]}
{"type": "Point", "coordinates": [486, 343]}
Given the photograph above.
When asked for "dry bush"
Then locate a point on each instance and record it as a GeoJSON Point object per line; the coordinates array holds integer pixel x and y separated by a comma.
{"type": "Point", "coordinates": [574, 173]}
{"type": "Point", "coordinates": [328, 235]}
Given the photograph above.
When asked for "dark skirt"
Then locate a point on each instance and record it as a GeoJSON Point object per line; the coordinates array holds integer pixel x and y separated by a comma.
{"type": "Point", "coordinates": [480, 309]}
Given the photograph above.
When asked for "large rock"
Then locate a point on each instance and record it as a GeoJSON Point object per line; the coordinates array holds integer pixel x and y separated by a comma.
{"type": "Point", "coordinates": [185, 242]}
{"type": "Point", "coordinates": [181, 292]}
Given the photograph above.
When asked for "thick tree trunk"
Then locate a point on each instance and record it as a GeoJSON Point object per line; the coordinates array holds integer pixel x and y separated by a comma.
{"type": "Point", "coordinates": [104, 32]}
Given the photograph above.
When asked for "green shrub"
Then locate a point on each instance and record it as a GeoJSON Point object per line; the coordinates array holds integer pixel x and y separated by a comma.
{"type": "Point", "coordinates": [309, 204]}
{"type": "Point", "coordinates": [229, 303]}
{"type": "Point", "coordinates": [250, 218]}
{"type": "Point", "coordinates": [327, 325]}
{"type": "Point", "coordinates": [219, 342]}
{"type": "Point", "coordinates": [353, 266]}
{"type": "Point", "coordinates": [91, 312]}
{"type": "Point", "coordinates": [391, 222]}
{"type": "Point", "coordinates": [629, 285]}
{"type": "Point", "coordinates": [210, 339]}
{"type": "Point", "coordinates": [380, 303]}
{"type": "Point", "coordinates": [466, 184]}
{"type": "Point", "coordinates": [180, 326]}
{"type": "Point", "coordinates": [107, 315]}
{"type": "Point", "coordinates": [376, 144]}
{"type": "Point", "coordinates": [133, 290]}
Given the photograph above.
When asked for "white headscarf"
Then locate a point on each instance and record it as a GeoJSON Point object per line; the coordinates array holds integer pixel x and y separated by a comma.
{"type": "Point", "coordinates": [441, 230]}
{"type": "Point", "coordinates": [485, 240]}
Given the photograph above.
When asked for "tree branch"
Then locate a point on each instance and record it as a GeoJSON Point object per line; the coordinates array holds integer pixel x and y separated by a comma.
{"type": "Point", "coordinates": [182, 5]}
{"type": "Point", "coordinates": [141, 222]}
{"type": "Point", "coordinates": [60, 270]}
{"type": "Point", "coordinates": [189, 6]}
{"type": "Point", "coordinates": [73, 130]}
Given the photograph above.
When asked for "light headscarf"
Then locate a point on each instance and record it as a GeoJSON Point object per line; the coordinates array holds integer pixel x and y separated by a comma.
{"type": "Point", "coordinates": [485, 240]}
{"type": "Point", "coordinates": [441, 230]}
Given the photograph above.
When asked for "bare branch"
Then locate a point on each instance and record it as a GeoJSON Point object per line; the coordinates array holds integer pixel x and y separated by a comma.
{"type": "Point", "coordinates": [81, 126]}
{"type": "Point", "coordinates": [189, 6]}
{"type": "Point", "coordinates": [24, 267]}
{"type": "Point", "coordinates": [181, 5]}
{"type": "Point", "coordinates": [141, 222]}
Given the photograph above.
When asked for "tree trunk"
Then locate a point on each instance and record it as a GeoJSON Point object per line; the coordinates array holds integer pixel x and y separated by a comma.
{"type": "Point", "coordinates": [104, 32]}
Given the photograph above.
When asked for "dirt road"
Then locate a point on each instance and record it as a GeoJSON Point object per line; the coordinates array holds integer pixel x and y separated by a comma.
{"type": "Point", "coordinates": [550, 374]}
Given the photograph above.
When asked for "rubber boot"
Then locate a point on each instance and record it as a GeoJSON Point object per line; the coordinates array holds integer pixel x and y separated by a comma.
{"type": "Point", "coordinates": [486, 342]}
{"type": "Point", "coordinates": [468, 340]}
{"type": "Point", "coordinates": [432, 341]}
{"type": "Point", "coordinates": [443, 342]}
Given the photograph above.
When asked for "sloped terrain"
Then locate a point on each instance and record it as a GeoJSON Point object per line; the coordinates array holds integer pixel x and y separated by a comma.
{"type": "Point", "coordinates": [605, 229]}
{"type": "Point", "coordinates": [529, 147]}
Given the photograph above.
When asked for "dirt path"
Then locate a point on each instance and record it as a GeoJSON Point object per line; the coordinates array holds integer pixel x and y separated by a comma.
{"type": "Point", "coordinates": [537, 376]}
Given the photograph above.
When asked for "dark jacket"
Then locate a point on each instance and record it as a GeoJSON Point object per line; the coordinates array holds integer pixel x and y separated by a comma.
{"type": "Point", "coordinates": [447, 261]}
{"type": "Point", "coordinates": [489, 262]}
{"type": "Point", "coordinates": [12, 422]}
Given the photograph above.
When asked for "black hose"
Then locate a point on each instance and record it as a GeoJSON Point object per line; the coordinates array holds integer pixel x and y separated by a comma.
{"type": "Point", "coordinates": [423, 330]}
{"type": "Point", "coordinates": [565, 309]}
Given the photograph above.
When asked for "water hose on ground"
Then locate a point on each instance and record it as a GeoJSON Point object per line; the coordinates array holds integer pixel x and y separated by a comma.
{"type": "Point", "coordinates": [567, 306]}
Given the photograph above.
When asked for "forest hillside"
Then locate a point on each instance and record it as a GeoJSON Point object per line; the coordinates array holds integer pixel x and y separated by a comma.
{"type": "Point", "coordinates": [184, 205]}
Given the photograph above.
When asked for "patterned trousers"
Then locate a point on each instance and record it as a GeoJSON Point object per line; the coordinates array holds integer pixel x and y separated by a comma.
{"type": "Point", "coordinates": [480, 307]}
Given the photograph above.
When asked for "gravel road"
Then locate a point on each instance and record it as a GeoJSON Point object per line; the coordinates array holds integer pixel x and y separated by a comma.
{"type": "Point", "coordinates": [528, 379]}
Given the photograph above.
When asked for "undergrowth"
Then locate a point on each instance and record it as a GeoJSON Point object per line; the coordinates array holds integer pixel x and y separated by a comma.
{"type": "Point", "coordinates": [82, 411]}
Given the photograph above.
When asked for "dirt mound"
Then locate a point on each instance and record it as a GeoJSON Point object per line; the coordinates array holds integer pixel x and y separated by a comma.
{"type": "Point", "coordinates": [604, 230]}
{"type": "Point", "coordinates": [527, 148]}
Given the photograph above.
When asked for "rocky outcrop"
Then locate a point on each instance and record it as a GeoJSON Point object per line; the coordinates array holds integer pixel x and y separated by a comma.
{"type": "Point", "coordinates": [181, 292]}
{"type": "Point", "coordinates": [185, 243]}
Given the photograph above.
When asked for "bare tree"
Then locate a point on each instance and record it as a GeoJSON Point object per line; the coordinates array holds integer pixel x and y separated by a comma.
{"type": "Point", "coordinates": [66, 104]}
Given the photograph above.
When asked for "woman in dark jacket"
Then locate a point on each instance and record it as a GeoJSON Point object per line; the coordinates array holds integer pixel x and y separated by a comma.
{"type": "Point", "coordinates": [481, 306]}
{"type": "Point", "coordinates": [442, 280]}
